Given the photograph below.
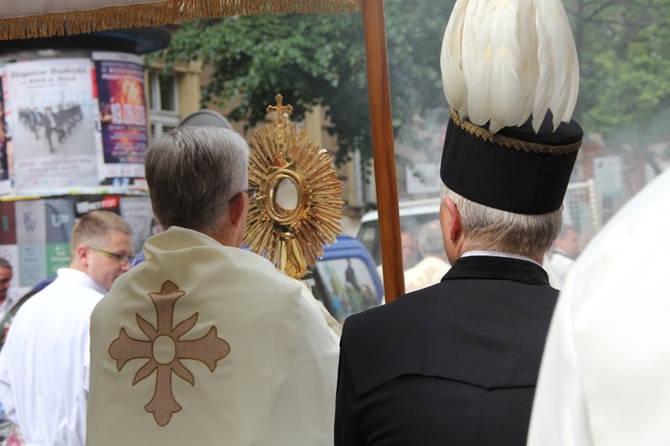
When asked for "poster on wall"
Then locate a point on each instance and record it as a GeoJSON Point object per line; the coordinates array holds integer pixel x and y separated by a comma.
{"type": "Point", "coordinates": [9, 250]}
{"type": "Point", "coordinates": [5, 186]}
{"type": "Point", "coordinates": [35, 234]}
{"type": "Point", "coordinates": [59, 223]}
{"type": "Point", "coordinates": [137, 212]}
{"type": "Point", "coordinates": [88, 203]}
{"type": "Point", "coordinates": [31, 239]}
{"type": "Point", "coordinates": [51, 115]}
{"type": "Point", "coordinates": [608, 174]}
{"type": "Point", "coordinates": [123, 116]}
{"type": "Point", "coordinates": [7, 223]}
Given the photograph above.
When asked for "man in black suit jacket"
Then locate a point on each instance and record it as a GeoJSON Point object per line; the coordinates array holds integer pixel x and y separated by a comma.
{"type": "Point", "coordinates": [457, 363]}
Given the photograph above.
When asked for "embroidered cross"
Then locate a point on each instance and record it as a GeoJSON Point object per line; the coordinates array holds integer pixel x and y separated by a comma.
{"type": "Point", "coordinates": [165, 351]}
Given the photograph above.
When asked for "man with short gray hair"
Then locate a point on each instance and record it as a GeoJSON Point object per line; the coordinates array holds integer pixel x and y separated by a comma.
{"type": "Point", "coordinates": [205, 343]}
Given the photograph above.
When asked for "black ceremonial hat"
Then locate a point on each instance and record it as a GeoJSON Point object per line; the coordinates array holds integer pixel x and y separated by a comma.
{"type": "Point", "coordinates": [514, 169]}
{"type": "Point", "coordinates": [510, 73]}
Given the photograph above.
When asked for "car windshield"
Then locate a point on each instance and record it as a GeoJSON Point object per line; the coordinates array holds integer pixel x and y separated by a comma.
{"type": "Point", "coordinates": [345, 286]}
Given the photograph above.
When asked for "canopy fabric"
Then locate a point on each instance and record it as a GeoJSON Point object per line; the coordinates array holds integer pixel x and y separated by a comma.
{"type": "Point", "coordinates": [45, 18]}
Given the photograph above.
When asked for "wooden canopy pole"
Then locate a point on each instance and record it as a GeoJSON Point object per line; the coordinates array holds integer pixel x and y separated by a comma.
{"type": "Point", "coordinates": [382, 148]}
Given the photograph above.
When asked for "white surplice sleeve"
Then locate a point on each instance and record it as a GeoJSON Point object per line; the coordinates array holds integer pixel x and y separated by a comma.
{"type": "Point", "coordinates": [606, 363]}
{"type": "Point", "coordinates": [559, 413]}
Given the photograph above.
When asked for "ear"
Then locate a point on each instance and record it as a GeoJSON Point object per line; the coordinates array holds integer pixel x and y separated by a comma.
{"type": "Point", "coordinates": [83, 255]}
{"type": "Point", "coordinates": [455, 229]}
{"type": "Point", "coordinates": [236, 211]}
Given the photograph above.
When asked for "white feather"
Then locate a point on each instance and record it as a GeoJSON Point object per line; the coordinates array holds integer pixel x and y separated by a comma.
{"type": "Point", "coordinates": [544, 85]}
{"type": "Point", "coordinates": [507, 96]}
{"type": "Point", "coordinates": [505, 59]}
{"type": "Point", "coordinates": [469, 53]}
{"type": "Point", "coordinates": [573, 87]}
{"type": "Point", "coordinates": [528, 67]}
{"type": "Point", "coordinates": [552, 20]}
{"type": "Point", "coordinates": [477, 56]}
{"type": "Point", "coordinates": [479, 90]}
{"type": "Point", "coordinates": [450, 60]}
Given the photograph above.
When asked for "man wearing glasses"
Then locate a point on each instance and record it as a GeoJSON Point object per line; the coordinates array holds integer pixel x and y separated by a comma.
{"type": "Point", "coordinates": [45, 360]}
{"type": "Point", "coordinates": [205, 343]}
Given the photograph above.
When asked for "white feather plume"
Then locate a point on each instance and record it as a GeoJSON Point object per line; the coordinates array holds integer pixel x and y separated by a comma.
{"type": "Point", "coordinates": [505, 77]}
{"type": "Point", "coordinates": [505, 59]}
{"type": "Point", "coordinates": [477, 77]}
{"type": "Point", "coordinates": [450, 61]}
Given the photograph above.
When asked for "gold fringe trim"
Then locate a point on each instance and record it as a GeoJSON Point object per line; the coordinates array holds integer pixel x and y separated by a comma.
{"type": "Point", "coordinates": [512, 143]}
{"type": "Point", "coordinates": [159, 14]}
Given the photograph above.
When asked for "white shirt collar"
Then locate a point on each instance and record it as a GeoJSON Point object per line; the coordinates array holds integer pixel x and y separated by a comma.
{"type": "Point", "coordinates": [499, 254]}
{"type": "Point", "coordinates": [74, 275]}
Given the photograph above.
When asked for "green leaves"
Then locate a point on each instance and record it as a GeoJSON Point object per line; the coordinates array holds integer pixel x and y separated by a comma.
{"type": "Point", "coordinates": [318, 59]}
{"type": "Point", "coordinates": [625, 67]}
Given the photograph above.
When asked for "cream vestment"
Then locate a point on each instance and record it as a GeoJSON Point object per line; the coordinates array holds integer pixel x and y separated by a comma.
{"type": "Point", "coordinates": [209, 345]}
{"type": "Point", "coordinates": [428, 271]}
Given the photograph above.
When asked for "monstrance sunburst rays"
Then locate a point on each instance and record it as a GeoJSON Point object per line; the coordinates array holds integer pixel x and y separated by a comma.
{"type": "Point", "coordinates": [291, 233]}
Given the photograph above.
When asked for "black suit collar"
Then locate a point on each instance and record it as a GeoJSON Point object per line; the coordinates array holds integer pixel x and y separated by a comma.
{"type": "Point", "coordinates": [494, 267]}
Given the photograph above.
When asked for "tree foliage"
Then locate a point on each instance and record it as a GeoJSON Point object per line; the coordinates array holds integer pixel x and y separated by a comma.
{"type": "Point", "coordinates": [319, 60]}
{"type": "Point", "coordinates": [625, 69]}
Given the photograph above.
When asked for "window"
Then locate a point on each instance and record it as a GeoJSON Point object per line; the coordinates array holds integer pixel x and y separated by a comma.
{"type": "Point", "coordinates": [163, 101]}
{"type": "Point", "coordinates": [345, 286]}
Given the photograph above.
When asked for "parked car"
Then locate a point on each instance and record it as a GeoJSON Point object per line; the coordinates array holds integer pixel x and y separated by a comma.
{"type": "Point", "coordinates": [412, 215]}
{"type": "Point", "coordinates": [345, 279]}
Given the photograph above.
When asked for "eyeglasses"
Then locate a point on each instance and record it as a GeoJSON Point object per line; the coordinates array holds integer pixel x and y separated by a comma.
{"type": "Point", "coordinates": [251, 192]}
{"type": "Point", "coordinates": [121, 258]}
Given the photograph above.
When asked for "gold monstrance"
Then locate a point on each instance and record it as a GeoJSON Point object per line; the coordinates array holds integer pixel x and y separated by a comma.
{"type": "Point", "coordinates": [298, 206]}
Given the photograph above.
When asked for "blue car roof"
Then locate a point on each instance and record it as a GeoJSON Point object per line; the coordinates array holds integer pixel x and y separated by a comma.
{"type": "Point", "coordinates": [344, 246]}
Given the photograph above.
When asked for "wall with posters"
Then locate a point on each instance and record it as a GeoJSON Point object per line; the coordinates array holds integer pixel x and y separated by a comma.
{"type": "Point", "coordinates": [35, 234]}
{"type": "Point", "coordinates": [73, 132]}
{"type": "Point", "coordinates": [75, 120]}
